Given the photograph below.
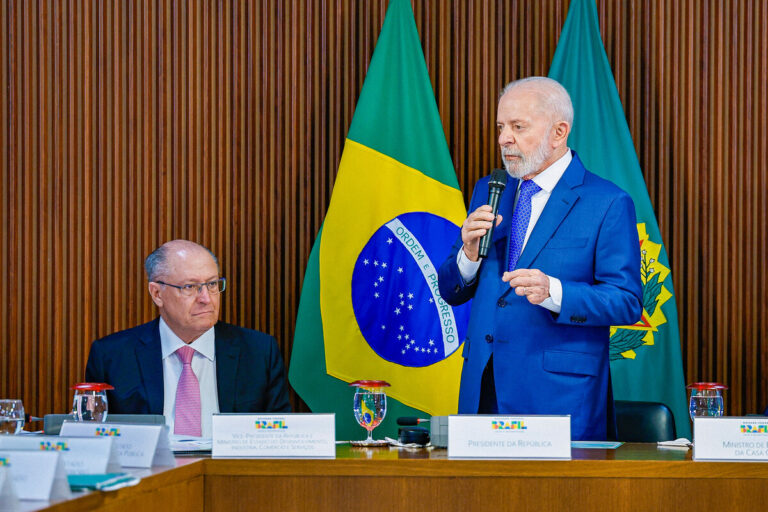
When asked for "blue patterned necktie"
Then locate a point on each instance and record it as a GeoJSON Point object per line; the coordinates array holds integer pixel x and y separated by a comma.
{"type": "Point", "coordinates": [520, 219]}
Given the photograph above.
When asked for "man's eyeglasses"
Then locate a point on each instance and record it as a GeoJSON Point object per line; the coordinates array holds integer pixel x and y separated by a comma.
{"type": "Point", "coordinates": [189, 290]}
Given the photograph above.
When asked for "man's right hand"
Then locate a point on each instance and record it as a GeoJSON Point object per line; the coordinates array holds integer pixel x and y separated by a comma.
{"type": "Point", "coordinates": [475, 226]}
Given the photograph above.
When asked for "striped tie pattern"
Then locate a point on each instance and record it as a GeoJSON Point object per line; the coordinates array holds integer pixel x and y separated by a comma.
{"type": "Point", "coordinates": [520, 219]}
{"type": "Point", "coordinates": [187, 414]}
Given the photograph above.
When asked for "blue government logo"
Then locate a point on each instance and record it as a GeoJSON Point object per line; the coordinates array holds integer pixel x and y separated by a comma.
{"type": "Point", "coordinates": [395, 295]}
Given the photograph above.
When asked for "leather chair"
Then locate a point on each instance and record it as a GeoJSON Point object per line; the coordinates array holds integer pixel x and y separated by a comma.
{"type": "Point", "coordinates": [644, 422]}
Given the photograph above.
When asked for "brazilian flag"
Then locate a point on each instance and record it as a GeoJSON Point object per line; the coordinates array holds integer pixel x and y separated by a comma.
{"type": "Point", "coordinates": [646, 363]}
{"type": "Point", "coordinates": [369, 308]}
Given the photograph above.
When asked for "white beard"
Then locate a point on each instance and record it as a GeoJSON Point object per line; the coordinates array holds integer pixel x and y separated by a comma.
{"type": "Point", "coordinates": [527, 164]}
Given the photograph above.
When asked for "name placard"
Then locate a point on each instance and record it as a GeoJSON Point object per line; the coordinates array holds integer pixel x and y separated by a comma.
{"type": "Point", "coordinates": [509, 437]}
{"type": "Point", "coordinates": [36, 475]}
{"type": "Point", "coordinates": [274, 435]}
{"type": "Point", "coordinates": [137, 446]}
{"type": "Point", "coordinates": [8, 498]}
{"type": "Point", "coordinates": [730, 439]}
{"type": "Point", "coordinates": [81, 455]}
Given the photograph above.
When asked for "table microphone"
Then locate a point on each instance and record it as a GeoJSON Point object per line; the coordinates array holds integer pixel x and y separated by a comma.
{"type": "Point", "coordinates": [410, 420]}
{"type": "Point", "coordinates": [496, 186]}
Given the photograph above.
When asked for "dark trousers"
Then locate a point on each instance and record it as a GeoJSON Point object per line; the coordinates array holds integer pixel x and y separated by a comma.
{"type": "Point", "coordinates": [488, 402]}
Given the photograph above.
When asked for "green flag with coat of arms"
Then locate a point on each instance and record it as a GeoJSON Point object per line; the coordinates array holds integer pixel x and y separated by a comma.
{"type": "Point", "coordinates": [646, 362]}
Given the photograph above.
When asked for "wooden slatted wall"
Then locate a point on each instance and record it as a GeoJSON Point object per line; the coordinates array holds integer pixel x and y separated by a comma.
{"type": "Point", "coordinates": [127, 123]}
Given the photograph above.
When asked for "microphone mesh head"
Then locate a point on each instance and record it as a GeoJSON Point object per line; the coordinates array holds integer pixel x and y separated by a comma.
{"type": "Point", "coordinates": [498, 178]}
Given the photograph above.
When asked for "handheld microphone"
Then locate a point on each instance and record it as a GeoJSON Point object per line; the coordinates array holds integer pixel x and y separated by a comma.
{"type": "Point", "coordinates": [410, 420]}
{"type": "Point", "coordinates": [496, 186]}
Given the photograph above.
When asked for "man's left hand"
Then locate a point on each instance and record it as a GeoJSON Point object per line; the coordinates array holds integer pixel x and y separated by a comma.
{"type": "Point", "coordinates": [529, 282]}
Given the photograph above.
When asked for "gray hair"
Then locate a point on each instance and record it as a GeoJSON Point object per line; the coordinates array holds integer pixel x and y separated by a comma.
{"type": "Point", "coordinates": [156, 264]}
{"type": "Point", "coordinates": [555, 100]}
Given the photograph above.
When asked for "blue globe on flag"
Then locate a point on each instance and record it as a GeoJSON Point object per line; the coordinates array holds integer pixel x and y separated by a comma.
{"type": "Point", "coordinates": [395, 295]}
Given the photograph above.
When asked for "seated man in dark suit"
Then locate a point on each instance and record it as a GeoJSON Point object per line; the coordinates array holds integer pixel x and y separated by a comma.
{"type": "Point", "coordinates": [186, 364]}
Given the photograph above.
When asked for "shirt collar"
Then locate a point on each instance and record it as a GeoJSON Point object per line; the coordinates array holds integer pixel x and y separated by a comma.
{"type": "Point", "coordinates": [170, 343]}
{"type": "Point", "coordinates": [548, 178]}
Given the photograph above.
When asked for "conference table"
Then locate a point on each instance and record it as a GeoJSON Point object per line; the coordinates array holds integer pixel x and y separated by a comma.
{"type": "Point", "coordinates": [633, 477]}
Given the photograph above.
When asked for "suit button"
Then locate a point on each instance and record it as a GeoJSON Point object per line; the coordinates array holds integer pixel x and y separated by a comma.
{"type": "Point", "coordinates": [457, 289]}
{"type": "Point", "coordinates": [489, 338]}
{"type": "Point", "coordinates": [501, 303]}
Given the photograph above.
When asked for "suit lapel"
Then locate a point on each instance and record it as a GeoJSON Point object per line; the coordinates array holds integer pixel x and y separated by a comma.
{"type": "Point", "coordinates": [150, 360]}
{"type": "Point", "coordinates": [501, 232]}
{"type": "Point", "coordinates": [227, 354]}
{"type": "Point", "coordinates": [506, 209]}
{"type": "Point", "coordinates": [559, 204]}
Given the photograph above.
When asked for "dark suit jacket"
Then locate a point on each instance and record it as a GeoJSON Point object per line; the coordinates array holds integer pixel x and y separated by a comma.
{"type": "Point", "coordinates": [545, 363]}
{"type": "Point", "coordinates": [250, 375]}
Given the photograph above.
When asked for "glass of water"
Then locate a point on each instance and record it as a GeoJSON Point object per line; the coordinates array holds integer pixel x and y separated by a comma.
{"type": "Point", "coordinates": [706, 399]}
{"type": "Point", "coordinates": [90, 402]}
{"type": "Point", "coordinates": [11, 416]}
{"type": "Point", "coordinates": [370, 407]}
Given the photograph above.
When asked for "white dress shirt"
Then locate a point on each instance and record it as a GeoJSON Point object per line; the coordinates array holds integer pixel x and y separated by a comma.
{"type": "Point", "coordinates": [547, 180]}
{"type": "Point", "coordinates": [204, 366]}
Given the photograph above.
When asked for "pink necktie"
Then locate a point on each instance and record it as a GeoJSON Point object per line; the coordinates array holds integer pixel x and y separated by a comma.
{"type": "Point", "coordinates": [187, 417]}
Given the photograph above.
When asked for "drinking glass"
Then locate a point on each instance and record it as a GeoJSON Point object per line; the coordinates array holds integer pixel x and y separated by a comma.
{"type": "Point", "coordinates": [90, 402]}
{"type": "Point", "coordinates": [11, 416]}
{"type": "Point", "coordinates": [706, 399]}
{"type": "Point", "coordinates": [370, 407]}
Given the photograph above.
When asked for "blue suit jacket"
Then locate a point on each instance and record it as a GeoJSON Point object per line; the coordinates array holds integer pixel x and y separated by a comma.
{"type": "Point", "coordinates": [546, 363]}
{"type": "Point", "coordinates": [250, 375]}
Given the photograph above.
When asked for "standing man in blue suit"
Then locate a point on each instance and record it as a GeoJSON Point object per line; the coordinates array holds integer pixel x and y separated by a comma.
{"type": "Point", "coordinates": [153, 370]}
{"type": "Point", "coordinates": [563, 267]}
